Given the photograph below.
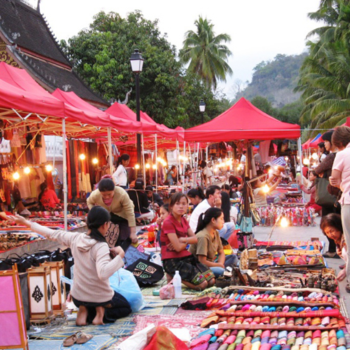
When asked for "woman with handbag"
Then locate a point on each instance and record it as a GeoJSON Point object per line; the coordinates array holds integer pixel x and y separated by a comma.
{"type": "Point", "coordinates": [98, 303]}
{"type": "Point", "coordinates": [117, 202]}
{"type": "Point", "coordinates": [324, 170]}
{"type": "Point", "coordinates": [341, 178]}
{"type": "Point", "coordinates": [175, 235]}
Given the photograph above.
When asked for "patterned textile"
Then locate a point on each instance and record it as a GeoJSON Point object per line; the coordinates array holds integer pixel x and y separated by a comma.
{"type": "Point", "coordinates": [190, 269]}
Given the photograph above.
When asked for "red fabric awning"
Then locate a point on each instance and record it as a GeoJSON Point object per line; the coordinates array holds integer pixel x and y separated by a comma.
{"type": "Point", "coordinates": [242, 121]}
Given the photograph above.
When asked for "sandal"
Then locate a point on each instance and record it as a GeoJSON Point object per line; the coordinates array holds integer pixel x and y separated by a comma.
{"type": "Point", "coordinates": [71, 340]}
{"type": "Point", "coordinates": [84, 338]}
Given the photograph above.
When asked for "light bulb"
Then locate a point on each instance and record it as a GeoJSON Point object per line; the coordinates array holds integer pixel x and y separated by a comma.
{"type": "Point", "coordinates": [15, 175]}
{"type": "Point", "coordinates": [48, 167]}
{"type": "Point", "coordinates": [286, 159]}
{"type": "Point", "coordinates": [137, 166]}
{"type": "Point", "coordinates": [284, 222]}
{"type": "Point", "coordinates": [306, 161]}
{"type": "Point", "coordinates": [147, 166]}
{"type": "Point", "coordinates": [314, 156]}
{"type": "Point", "coordinates": [270, 171]}
{"type": "Point", "coordinates": [94, 161]}
{"type": "Point", "coordinates": [26, 170]}
{"type": "Point", "coordinates": [266, 189]}
{"type": "Point", "coordinates": [82, 156]}
{"type": "Point", "coordinates": [154, 167]}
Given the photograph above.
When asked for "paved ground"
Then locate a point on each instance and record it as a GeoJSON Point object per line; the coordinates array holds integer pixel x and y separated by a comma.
{"type": "Point", "coordinates": [303, 234]}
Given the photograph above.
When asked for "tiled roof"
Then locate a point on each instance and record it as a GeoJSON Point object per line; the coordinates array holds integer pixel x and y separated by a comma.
{"type": "Point", "coordinates": [24, 26]}
{"type": "Point", "coordinates": [56, 77]}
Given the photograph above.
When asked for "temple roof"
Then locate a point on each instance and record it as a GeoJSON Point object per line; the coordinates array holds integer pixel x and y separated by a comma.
{"type": "Point", "coordinates": [31, 42]}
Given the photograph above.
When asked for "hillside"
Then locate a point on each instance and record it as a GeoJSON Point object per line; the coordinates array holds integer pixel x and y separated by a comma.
{"type": "Point", "coordinates": [275, 80]}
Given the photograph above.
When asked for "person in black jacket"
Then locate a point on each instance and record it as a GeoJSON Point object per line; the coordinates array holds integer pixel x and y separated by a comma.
{"type": "Point", "coordinates": [153, 197]}
{"type": "Point", "coordinates": [140, 200]}
{"type": "Point", "coordinates": [324, 169]}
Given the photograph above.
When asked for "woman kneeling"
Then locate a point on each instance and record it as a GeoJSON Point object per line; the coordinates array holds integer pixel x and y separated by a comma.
{"type": "Point", "coordinates": [98, 303]}
{"type": "Point", "coordinates": [175, 235]}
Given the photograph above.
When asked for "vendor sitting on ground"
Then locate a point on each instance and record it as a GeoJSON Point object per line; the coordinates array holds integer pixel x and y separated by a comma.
{"type": "Point", "coordinates": [48, 197]}
{"type": "Point", "coordinates": [98, 303]}
{"type": "Point", "coordinates": [176, 234]}
{"type": "Point", "coordinates": [117, 202]}
{"type": "Point", "coordinates": [153, 198]}
{"type": "Point", "coordinates": [140, 200]}
{"type": "Point", "coordinates": [209, 249]}
{"type": "Point", "coordinates": [331, 226]}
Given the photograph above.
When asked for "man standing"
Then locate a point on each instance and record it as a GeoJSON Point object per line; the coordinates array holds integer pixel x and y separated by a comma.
{"type": "Point", "coordinates": [213, 199]}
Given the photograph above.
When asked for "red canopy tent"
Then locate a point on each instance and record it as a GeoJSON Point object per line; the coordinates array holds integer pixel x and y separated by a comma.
{"type": "Point", "coordinates": [242, 121]}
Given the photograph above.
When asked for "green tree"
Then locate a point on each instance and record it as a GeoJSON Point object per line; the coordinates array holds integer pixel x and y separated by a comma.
{"type": "Point", "coordinates": [324, 77]}
{"type": "Point", "coordinates": [263, 104]}
{"type": "Point", "coordinates": [101, 55]}
{"type": "Point", "coordinates": [206, 53]}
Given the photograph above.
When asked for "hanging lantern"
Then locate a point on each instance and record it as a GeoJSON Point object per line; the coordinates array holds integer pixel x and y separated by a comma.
{"type": "Point", "coordinates": [40, 295]}
{"type": "Point", "coordinates": [13, 326]}
{"type": "Point", "coordinates": [58, 289]}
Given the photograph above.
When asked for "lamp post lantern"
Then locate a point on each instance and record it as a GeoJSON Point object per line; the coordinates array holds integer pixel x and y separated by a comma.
{"type": "Point", "coordinates": [136, 62]}
{"type": "Point", "coordinates": [202, 109]}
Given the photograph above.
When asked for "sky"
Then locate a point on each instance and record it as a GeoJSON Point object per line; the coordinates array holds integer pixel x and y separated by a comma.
{"type": "Point", "coordinates": [259, 29]}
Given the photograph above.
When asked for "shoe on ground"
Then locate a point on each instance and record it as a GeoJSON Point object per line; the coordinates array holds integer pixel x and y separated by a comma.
{"type": "Point", "coordinates": [331, 255]}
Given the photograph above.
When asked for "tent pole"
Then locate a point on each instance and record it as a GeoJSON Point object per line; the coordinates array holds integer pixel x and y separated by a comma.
{"type": "Point", "coordinates": [178, 159]}
{"type": "Point", "coordinates": [155, 161]}
{"type": "Point", "coordinates": [109, 131]}
{"type": "Point", "coordinates": [206, 153]}
{"type": "Point", "coordinates": [300, 151]}
{"type": "Point", "coordinates": [143, 160]}
{"type": "Point", "coordinates": [183, 170]}
{"type": "Point", "coordinates": [64, 174]}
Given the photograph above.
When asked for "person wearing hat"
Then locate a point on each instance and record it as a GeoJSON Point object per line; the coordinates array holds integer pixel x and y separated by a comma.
{"type": "Point", "coordinates": [324, 170]}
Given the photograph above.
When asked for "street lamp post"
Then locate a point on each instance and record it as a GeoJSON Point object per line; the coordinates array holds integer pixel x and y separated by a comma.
{"type": "Point", "coordinates": [202, 109]}
{"type": "Point", "coordinates": [136, 62]}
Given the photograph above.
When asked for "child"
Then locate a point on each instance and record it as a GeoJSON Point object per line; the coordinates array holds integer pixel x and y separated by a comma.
{"type": "Point", "coordinates": [163, 214]}
{"type": "Point", "coordinates": [175, 235]}
{"type": "Point", "coordinates": [312, 192]}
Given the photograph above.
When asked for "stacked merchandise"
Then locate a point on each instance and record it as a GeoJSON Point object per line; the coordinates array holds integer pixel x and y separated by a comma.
{"type": "Point", "coordinates": [254, 319]}
{"type": "Point", "coordinates": [299, 216]}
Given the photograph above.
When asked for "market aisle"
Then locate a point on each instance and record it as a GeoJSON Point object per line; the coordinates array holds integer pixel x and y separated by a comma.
{"type": "Point", "coordinates": [303, 234]}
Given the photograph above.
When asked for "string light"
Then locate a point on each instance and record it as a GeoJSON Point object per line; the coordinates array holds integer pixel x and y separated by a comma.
{"type": "Point", "coordinates": [284, 222]}
{"type": "Point", "coordinates": [314, 156]}
{"type": "Point", "coordinates": [147, 166]}
{"type": "Point", "coordinates": [82, 156]}
{"type": "Point", "coordinates": [94, 161]}
{"type": "Point", "coordinates": [49, 167]}
{"type": "Point", "coordinates": [137, 166]}
{"type": "Point", "coordinates": [15, 175]}
{"type": "Point", "coordinates": [306, 161]}
{"type": "Point", "coordinates": [266, 189]}
{"type": "Point", "coordinates": [26, 170]}
{"type": "Point", "coordinates": [154, 167]}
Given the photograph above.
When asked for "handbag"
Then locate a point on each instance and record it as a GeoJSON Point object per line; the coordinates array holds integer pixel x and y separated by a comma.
{"type": "Point", "coordinates": [146, 272]}
{"type": "Point", "coordinates": [254, 214]}
{"type": "Point", "coordinates": [323, 197]}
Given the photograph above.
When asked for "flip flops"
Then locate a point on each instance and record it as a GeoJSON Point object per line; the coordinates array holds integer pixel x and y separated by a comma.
{"type": "Point", "coordinates": [77, 338]}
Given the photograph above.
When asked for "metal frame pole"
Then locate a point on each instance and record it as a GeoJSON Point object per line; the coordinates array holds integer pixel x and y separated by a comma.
{"type": "Point", "coordinates": [300, 151]}
{"type": "Point", "coordinates": [65, 201]}
{"type": "Point", "coordinates": [138, 118]}
{"type": "Point", "coordinates": [156, 156]}
{"type": "Point", "coordinates": [109, 133]}
{"type": "Point", "coordinates": [143, 161]}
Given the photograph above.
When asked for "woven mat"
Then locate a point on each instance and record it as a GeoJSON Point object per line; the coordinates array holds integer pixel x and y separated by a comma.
{"type": "Point", "coordinates": [98, 342]}
{"type": "Point", "coordinates": [121, 328]}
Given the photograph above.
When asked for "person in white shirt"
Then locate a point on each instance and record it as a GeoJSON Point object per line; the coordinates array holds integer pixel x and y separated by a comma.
{"type": "Point", "coordinates": [243, 157]}
{"type": "Point", "coordinates": [120, 176]}
{"type": "Point", "coordinates": [213, 199]}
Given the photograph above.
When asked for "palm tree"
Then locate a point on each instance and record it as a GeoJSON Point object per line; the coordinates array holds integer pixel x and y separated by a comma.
{"type": "Point", "coordinates": [206, 54]}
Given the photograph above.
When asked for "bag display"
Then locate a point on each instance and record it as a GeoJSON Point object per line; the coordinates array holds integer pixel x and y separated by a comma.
{"type": "Point", "coordinates": [167, 291]}
{"type": "Point", "coordinates": [146, 272]}
{"type": "Point", "coordinates": [323, 197]}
